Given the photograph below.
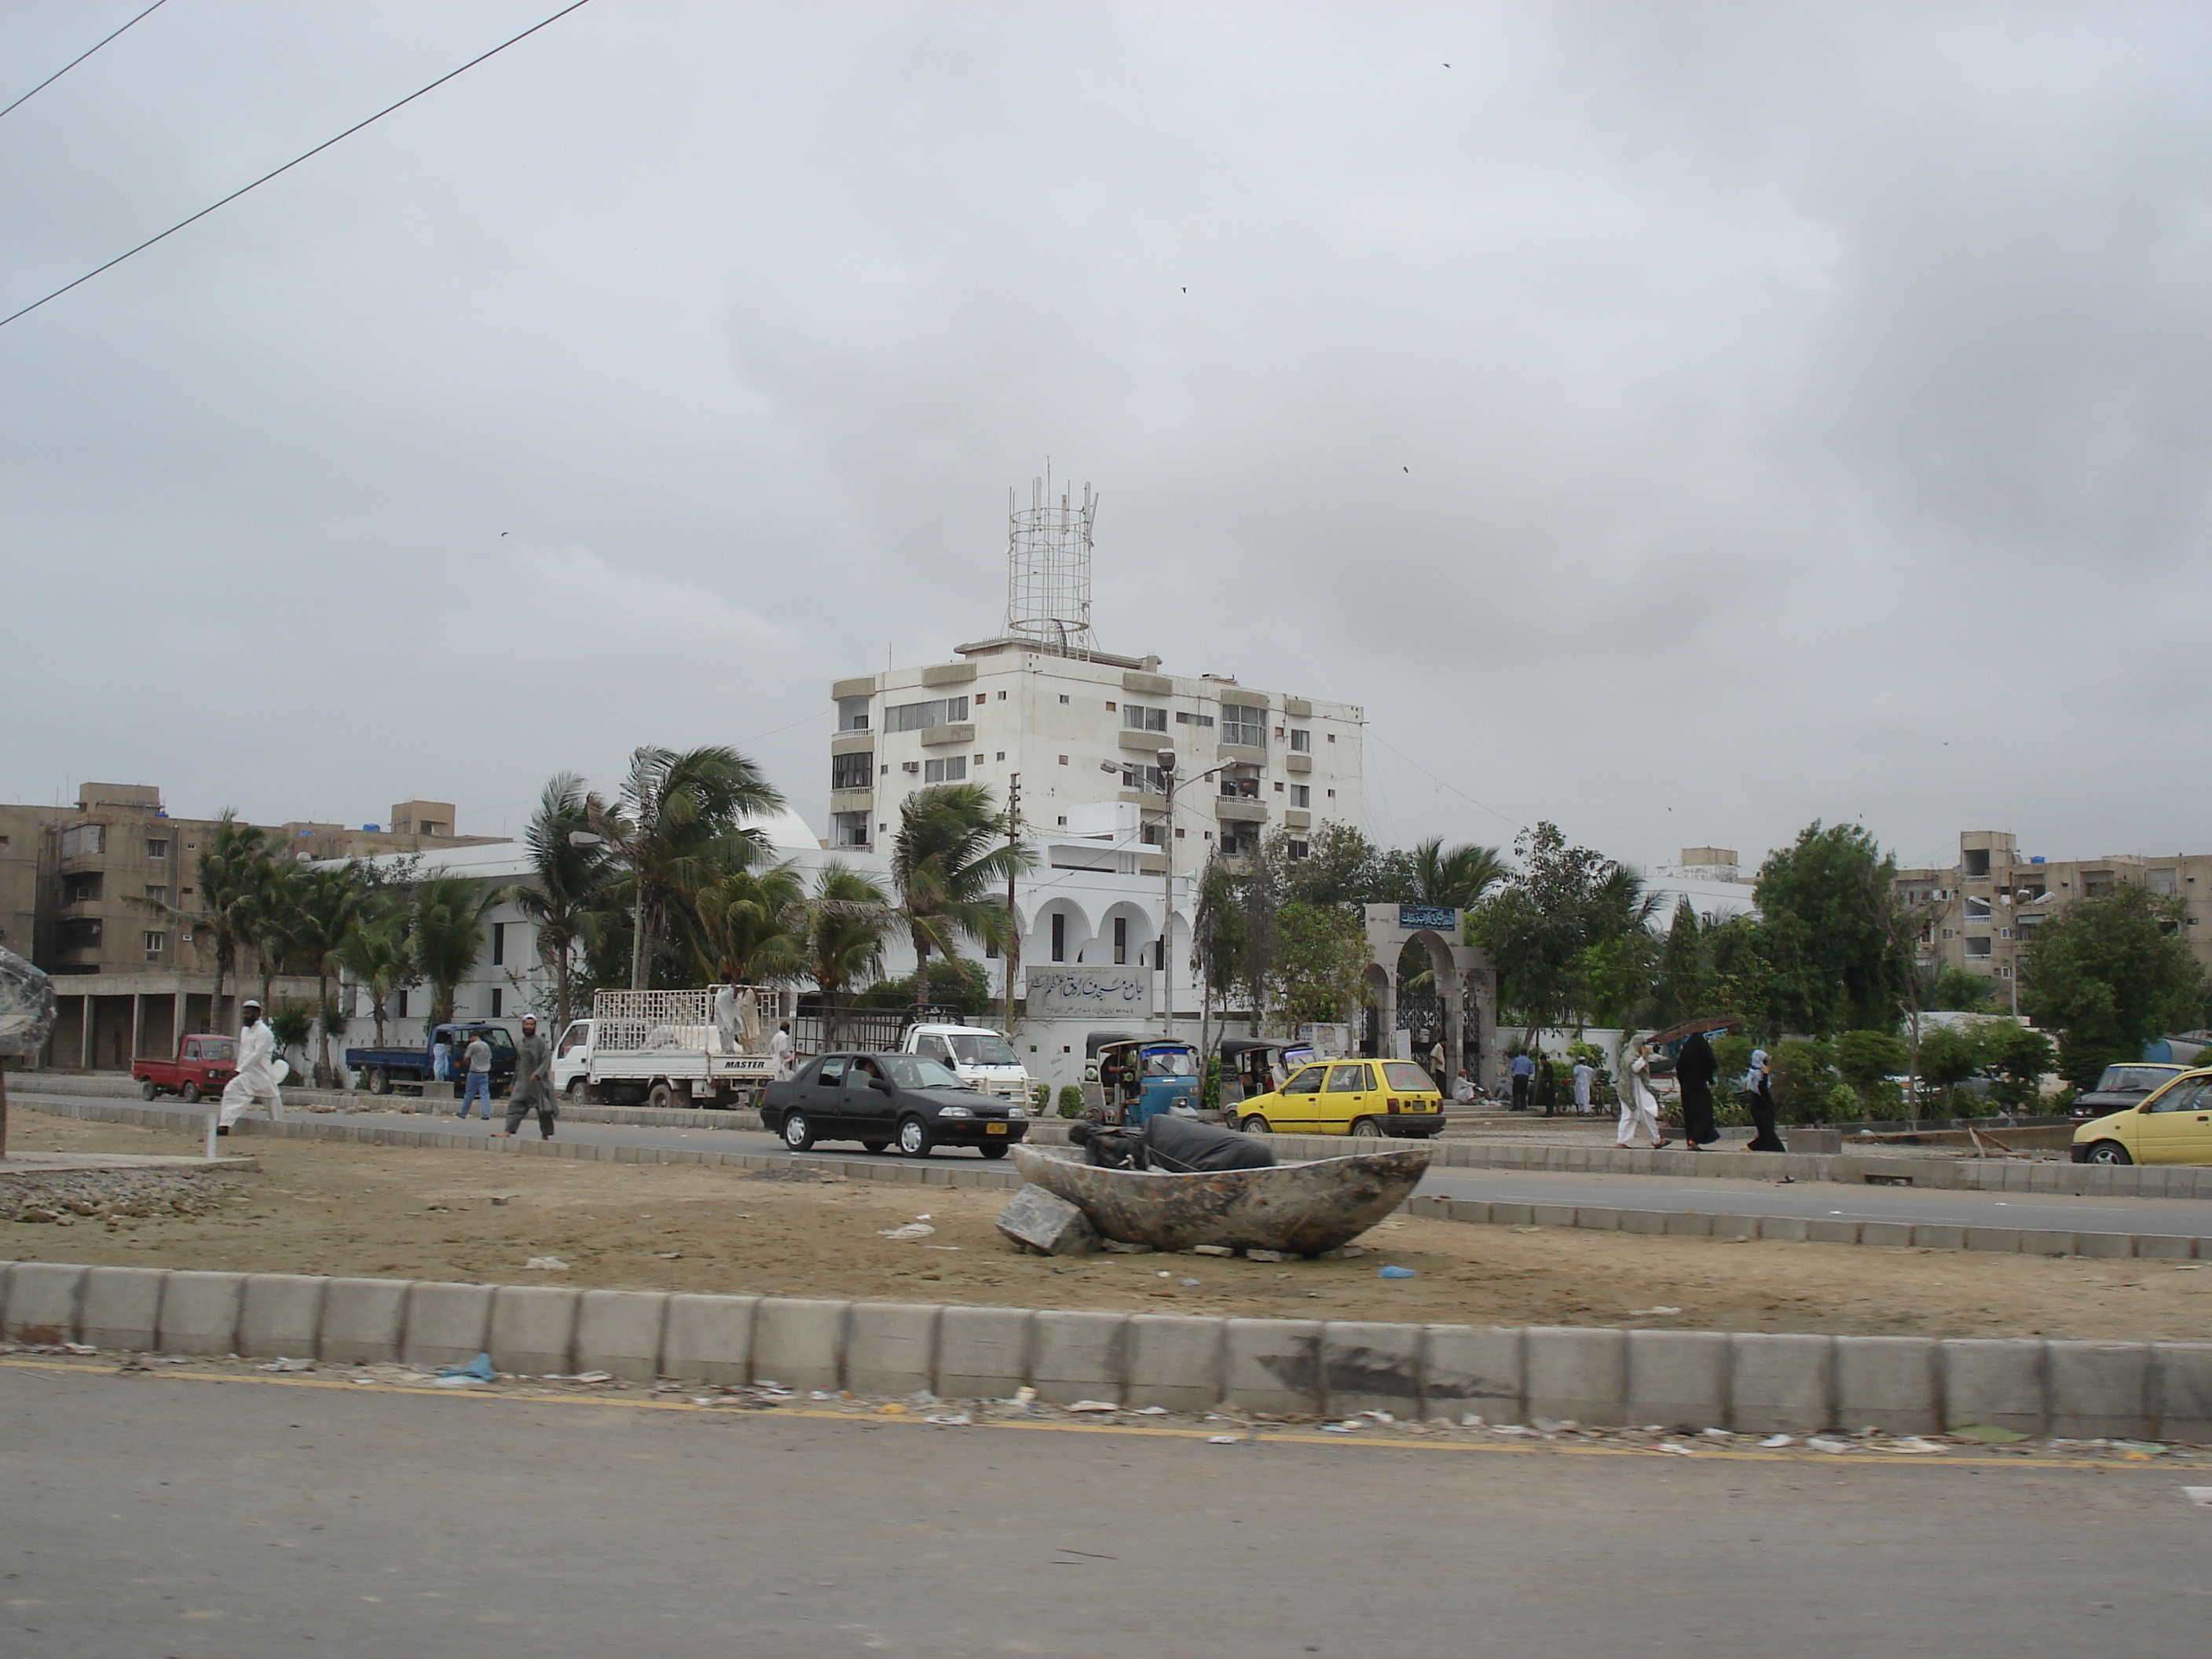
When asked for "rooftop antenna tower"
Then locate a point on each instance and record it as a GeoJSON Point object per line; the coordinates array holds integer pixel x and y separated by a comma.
{"type": "Point", "coordinates": [1048, 568]}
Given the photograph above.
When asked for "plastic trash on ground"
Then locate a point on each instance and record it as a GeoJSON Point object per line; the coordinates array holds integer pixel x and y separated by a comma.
{"type": "Point", "coordinates": [480, 1369]}
{"type": "Point", "coordinates": [1394, 1272]}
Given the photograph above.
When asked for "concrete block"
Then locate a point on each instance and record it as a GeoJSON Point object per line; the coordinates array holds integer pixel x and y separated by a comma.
{"type": "Point", "coordinates": [200, 1312]}
{"type": "Point", "coordinates": [1735, 1226]}
{"type": "Point", "coordinates": [1048, 1224]}
{"type": "Point", "coordinates": [1893, 1234]}
{"type": "Point", "coordinates": [1474, 1210]}
{"type": "Point", "coordinates": [534, 1329]}
{"type": "Point", "coordinates": [1510, 1215]}
{"type": "Point", "coordinates": [1466, 1368]}
{"type": "Point", "coordinates": [619, 1331]}
{"type": "Point", "coordinates": [1079, 1356]}
{"type": "Point", "coordinates": [1578, 1374]}
{"type": "Point", "coordinates": [2106, 1245]}
{"type": "Point", "coordinates": [890, 1348]}
{"type": "Point", "coordinates": [709, 1338]}
{"type": "Point", "coordinates": [280, 1314]}
{"type": "Point", "coordinates": [799, 1341]}
{"type": "Point", "coordinates": [1273, 1365]}
{"type": "Point", "coordinates": [121, 1308]}
{"type": "Point", "coordinates": [1639, 1221]}
{"type": "Point", "coordinates": [42, 1301]}
{"type": "Point", "coordinates": [1936, 1237]}
{"type": "Point", "coordinates": [982, 1353]}
{"type": "Point", "coordinates": [1887, 1382]}
{"type": "Point", "coordinates": [362, 1320]}
{"type": "Point", "coordinates": [1781, 1383]}
{"type": "Point", "coordinates": [2181, 1391]}
{"type": "Point", "coordinates": [1598, 1218]}
{"type": "Point", "coordinates": [1830, 1229]}
{"type": "Point", "coordinates": [2162, 1247]}
{"type": "Point", "coordinates": [1997, 1380]}
{"type": "Point", "coordinates": [1993, 1239]}
{"type": "Point", "coordinates": [2042, 1242]}
{"type": "Point", "coordinates": [1552, 1215]}
{"type": "Point", "coordinates": [447, 1324]}
{"type": "Point", "coordinates": [1371, 1367]}
{"type": "Point", "coordinates": [2043, 1178]}
{"type": "Point", "coordinates": [1683, 1224]}
{"type": "Point", "coordinates": [1679, 1379]}
{"type": "Point", "coordinates": [1790, 1229]}
{"type": "Point", "coordinates": [1175, 1362]}
{"type": "Point", "coordinates": [2098, 1389]}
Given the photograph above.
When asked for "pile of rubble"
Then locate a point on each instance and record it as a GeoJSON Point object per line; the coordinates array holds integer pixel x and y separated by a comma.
{"type": "Point", "coordinates": [66, 1196]}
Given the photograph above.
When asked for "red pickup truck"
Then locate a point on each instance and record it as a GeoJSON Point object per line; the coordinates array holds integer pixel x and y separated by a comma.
{"type": "Point", "coordinates": [204, 1064]}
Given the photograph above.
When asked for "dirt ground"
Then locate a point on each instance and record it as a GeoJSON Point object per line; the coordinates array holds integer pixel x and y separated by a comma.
{"type": "Point", "coordinates": [400, 1212]}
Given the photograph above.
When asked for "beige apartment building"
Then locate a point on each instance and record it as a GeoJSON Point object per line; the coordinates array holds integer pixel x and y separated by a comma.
{"type": "Point", "coordinates": [1987, 907]}
{"type": "Point", "coordinates": [80, 887]}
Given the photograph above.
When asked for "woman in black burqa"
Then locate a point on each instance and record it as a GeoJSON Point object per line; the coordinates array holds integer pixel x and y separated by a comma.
{"type": "Point", "coordinates": [1695, 1068]}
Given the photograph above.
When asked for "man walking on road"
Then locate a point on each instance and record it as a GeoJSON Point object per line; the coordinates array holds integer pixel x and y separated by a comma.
{"type": "Point", "coordinates": [1523, 1069]}
{"type": "Point", "coordinates": [533, 1081]}
{"type": "Point", "coordinates": [1584, 1076]}
{"type": "Point", "coordinates": [781, 1050]}
{"type": "Point", "coordinates": [254, 1084]}
{"type": "Point", "coordinates": [477, 1057]}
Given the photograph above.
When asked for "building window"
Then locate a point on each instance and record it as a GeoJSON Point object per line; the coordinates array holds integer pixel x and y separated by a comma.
{"type": "Point", "coordinates": [80, 890]}
{"type": "Point", "coordinates": [1136, 717]}
{"type": "Point", "coordinates": [83, 840]}
{"type": "Point", "coordinates": [1059, 930]}
{"type": "Point", "coordinates": [154, 942]}
{"type": "Point", "coordinates": [1243, 726]}
{"type": "Point", "coordinates": [1950, 933]}
{"type": "Point", "coordinates": [1298, 849]}
{"type": "Point", "coordinates": [1236, 840]}
{"type": "Point", "coordinates": [403, 1003]}
{"type": "Point", "coordinates": [1975, 864]}
{"type": "Point", "coordinates": [498, 1002]}
{"type": "Point", "coordinates": [2096, 883]}
{"type": "Point", "coordinates": [851, 771]}
{"type": "Point", "coordinates": [2160, 881]}
{"type": "Point", "coordinates": [1002, 754]}
{"type": "Point", "coordinates": [1240, 783]}
{"type": "Point", "coordinates": [1120, 941]}
{"type": "Point", "coordinates": [1063, 761]}
{"type": "Point", "coordinates": [79, 933]}
{"type": "Point", "coordinates": [498, 948]}
{"type": "Point", "coordinates": [1302, 794]}
{"type": "Point", "coordinates": [1152, 835]}
{"type": "Point", "coordinates": [1978, 948]}
{"type": "Point", "coordinates": [1146, 778]}
{"type": "Point", "coordinates": [848, 830]}
{"type": "Point", "coordinates": [1279, 787]}
{"type": "Point", "coordinates": [2004, 932]}
{"type": "Point", "coordinates": [920, 716]}
{"type": "Point", "coordinates": [952, 769]}
{"type": "Point", "coordinates": [1063, 696]}
{"type": "Point", "coordinates": [1331, 795]}
{"type": "Point", "coordinates": [852, 714]}
{"type": "Point", "coordinates": [157, 894]}
{"type": "Point", "coordinates": [157, 850]}
{"type": "Point", "coordinates": [1301, 740]}
{"type": "Point", "coordinates": [1978, 909]}
{"type": "Point", "coordinates": [1182, 718]}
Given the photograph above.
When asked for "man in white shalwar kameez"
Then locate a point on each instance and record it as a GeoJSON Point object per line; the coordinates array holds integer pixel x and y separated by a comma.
{"type": "Point", "coordinates": [255, 1082]}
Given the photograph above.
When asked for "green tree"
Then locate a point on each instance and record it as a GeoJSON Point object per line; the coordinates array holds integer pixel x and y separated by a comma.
{"type": "Point", "coordinates": [1539, 924]}
{"type": "Point", "coordinates": [1864, 1058]}
{"type": "Point", "coordinates": [326, 905]}
{"type": "Point", "coordinates": [568, 884]}
{"type": "Point", "coordinates": [2019, 1055]}
{"type": "Point", "coordinates": [1341, 866]}
{"type": "Point", "coordinates": [379, 954]}
{"type": "Point", "coordinates": [448, 935]}
{"type": "Point", "coordinates": [848, 920]}
{"type": "Point", "coordinates": [1454, 877]}
{"type": "Point", "coordinates": [232, 875]}
{"type": "Point", "coordinates": [1321, 962]}
{"type": "Point", "coordinates": [1831, 946]}
{"type": "Point", "coordinates": [1684, 981]}
{"type": "Point", "coordinates": [1956, 991]}
{"type": "Point", "coordinates": [1804, 1080]}
{"type": "Point", "coordinates": [270, 916]}
{"type": "Point", "coordinates": [949, 869]}
{"type": "Point", "coordinates": [2109, 974]}
{"type": "Point", "coordinates": [751, 922]}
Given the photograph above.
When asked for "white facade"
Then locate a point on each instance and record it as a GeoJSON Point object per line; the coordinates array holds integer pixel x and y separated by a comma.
{"type": "Point", "coordinates": [1082, 731]}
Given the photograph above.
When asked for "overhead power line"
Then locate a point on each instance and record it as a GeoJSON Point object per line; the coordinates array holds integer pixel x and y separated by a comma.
{"type": "Point", "coordinates": [74, 61]}
{"type": "Point", "coordinates": [576, 5]}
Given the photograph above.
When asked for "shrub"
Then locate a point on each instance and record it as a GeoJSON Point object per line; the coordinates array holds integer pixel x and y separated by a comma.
{"type": "Point", "coordinates": [1732, 1054]}
{"type": "Point", "coordinates": [1804, 1081]}
{"type": "Point", "coordinates": [2019, 1056]}
{"type": "Point", "coordinates": [1071, 1100]}
{"type": "Point", "coordinates": [1043, 1101]}
{"type": "Point", "coordinates": [1865, 1058]}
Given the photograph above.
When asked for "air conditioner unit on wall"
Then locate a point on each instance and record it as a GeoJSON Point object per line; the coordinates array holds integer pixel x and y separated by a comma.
{"type": "Point", "coordinates": [910, 765]}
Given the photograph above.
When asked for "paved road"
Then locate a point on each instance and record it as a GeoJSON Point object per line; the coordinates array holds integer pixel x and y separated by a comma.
{"type": "Point", "coordinates": [2183, 1218]}
{"type": "Point", "coordinates": [147, 1515]}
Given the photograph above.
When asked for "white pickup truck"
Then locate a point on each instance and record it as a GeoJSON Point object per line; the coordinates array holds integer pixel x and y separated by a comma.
{"type": "Point", "coordinates": [982, 1058]}
{"type": "Point", "coordinates": [663, 1048]}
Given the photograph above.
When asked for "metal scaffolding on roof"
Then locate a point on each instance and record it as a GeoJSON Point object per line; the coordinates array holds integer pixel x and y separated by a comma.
{"type": "Point", "coordinates": [1048, 568]}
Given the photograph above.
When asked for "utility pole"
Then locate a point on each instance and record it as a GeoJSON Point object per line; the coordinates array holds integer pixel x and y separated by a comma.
{"type": "Point", "coordinates": [1167, 764]}
{"type": "Point", "coordinates": [1013, 927]}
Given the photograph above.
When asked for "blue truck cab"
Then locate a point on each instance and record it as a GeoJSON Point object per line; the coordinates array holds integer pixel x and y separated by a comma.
{"type": "Point", "coordinates": [381, 1071]}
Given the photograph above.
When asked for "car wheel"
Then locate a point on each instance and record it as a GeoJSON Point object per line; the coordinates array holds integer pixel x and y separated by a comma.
{"type": "Point", "coordinates": [2109, 1151]}
{"type": "Point", "coordinates": [379, 1080]}
{"type": "Point", "coordinates": [915, 1139]}
{"type": "Point", "coordinates": [993, 1149]}
{"type": "Point", "coordinates": [579, 1091]}
{"type": "Point", "coordinates": [1256, 1125]}
{"type": "Point", "coordinates": [1366, 1125]}
{"type": "Point", "coordinates": [873, 1145]}
{"type": "Point", "coordinates": [660, 1098]}
{"type": "Point", "coordinates": [798, 1132]}
{"type": "Point", "coordinates": [191, 1094]}
{"type": "Point", "coordinates": [147, 1090]}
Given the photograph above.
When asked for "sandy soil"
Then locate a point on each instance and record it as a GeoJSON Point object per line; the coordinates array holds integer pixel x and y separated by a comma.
{"type": "Point", "coordinates": [400, 1212]}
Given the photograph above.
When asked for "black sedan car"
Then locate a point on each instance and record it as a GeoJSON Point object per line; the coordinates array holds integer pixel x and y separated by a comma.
{"type": "Point", "coordinates": [2122, 1086]}
{"type": "Point", "coordinates": [907, 1101]}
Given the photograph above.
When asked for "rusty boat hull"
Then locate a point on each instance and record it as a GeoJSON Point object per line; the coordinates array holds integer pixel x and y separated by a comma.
{"type": "Point", "coordinates": [1300, 1208]}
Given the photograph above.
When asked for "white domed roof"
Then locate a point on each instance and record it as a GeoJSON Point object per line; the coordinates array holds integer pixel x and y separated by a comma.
{"type": "Point", "coordinates": [787, 832]}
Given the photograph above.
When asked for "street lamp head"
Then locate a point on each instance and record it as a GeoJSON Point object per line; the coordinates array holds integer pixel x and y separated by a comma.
{"type": "Point", "coordinates": [585, 838]}
{"type": "Point", "coordinates": [1167, 762]}
{"type": "Point", "coordinates": [1109, 766]}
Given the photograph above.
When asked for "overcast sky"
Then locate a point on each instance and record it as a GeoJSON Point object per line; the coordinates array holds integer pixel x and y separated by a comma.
{"type": "Point", "coordinates": [1679, 422]}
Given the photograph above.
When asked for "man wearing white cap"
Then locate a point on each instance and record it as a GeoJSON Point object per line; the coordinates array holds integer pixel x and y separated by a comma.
{"type": "Point", "coordinates": [255, 1084]}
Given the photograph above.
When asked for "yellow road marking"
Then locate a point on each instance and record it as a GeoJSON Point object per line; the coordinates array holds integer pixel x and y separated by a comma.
{"type": "Point", "coordinates": [1269, 1435]}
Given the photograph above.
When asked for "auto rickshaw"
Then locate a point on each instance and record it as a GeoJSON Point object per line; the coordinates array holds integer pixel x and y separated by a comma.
{"type": "Point", "coordinates": [1140, 1078]}
{"type": "Point", "coordinates": [1251, 1067]}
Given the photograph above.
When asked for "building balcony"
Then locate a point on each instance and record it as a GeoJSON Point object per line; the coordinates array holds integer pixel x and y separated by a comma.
{"type": "Point", "coordinates": [1295, 762]}
{"type": "Point", "coordinates": [1297, 818]}
{"type": "Point", "coordinates": [946, 736]}
{"type": "Point", "coordinates": [851, 742]}
{"type": "Point", "coordinates": [851, 800]}
{"type": "Point", "coordinates": [1238, 808]}
{"type": "Point", "coordinates": [1240, 752]}
{"type": "Point", "coordinates": [1147, 744]}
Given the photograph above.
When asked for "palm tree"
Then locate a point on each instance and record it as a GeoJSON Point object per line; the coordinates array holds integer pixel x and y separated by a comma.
{"type": "Point", "coordinates": [750, 923]}
{"type": "Point", "coordinates": [675, 808]}
{"type": "Point", "coordinates": [379, 954]}
{"type": "Point", "coordinates": [448, 932]}
{"type": "Point", "coordinates": [232, 871]}
{"type": "Point", "coordinates": [569, 882]}
{"type": "Point", "coordinates": [1457, 879]}
{"type": "Point", "coordinates": [948, 865]}
{"type": "Point", "coordinates": [847, 922]}
{"type": "Point", "coordinates": [325, 906]}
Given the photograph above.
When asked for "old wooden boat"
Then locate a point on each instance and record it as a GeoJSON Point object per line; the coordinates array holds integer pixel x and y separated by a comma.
{"type": "Point", "coordinates": [1304, 1209]}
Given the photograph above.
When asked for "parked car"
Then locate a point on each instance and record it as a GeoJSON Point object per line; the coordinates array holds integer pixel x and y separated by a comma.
{"type": "Point", "coordinates": [2127, 1084]}
{"type": "Point", "coordinates": [2174, 1126]}
{"type": "Point", "coordinates": [1392, 1097]}
{"type": "Point", "coordinates": [880, 1100]}
{"type": "Point", "coordinates": [205, 1062]}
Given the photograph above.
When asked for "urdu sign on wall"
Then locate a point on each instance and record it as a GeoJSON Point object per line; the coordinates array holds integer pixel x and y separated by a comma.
{"type": "Point", "coordinates": [1103, 993]}
{"type": "Point", "coordinates": [1440, 918]}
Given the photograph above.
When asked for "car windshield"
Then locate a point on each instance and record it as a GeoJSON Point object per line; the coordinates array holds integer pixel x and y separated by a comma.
{"type": "Point", "coordinates": [1171, 1062]}
{"type": "Point", "coordinates": [920, 1072]}
{"type": "Point", "coordinates": [225, 1048]}
{"type": "Point", "coordinates": [1404, 1074]}
{"type": "Point", "coordinates": [981, 1048]}
{"type": "Point", "coordinates": [2134, 1077]}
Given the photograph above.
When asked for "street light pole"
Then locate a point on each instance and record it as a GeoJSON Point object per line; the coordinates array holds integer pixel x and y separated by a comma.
{"type": "Point", "coordinates": [1166, 761]}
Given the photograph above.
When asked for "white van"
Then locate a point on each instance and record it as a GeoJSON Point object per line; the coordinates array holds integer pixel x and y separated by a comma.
{"type": "Point", "coordinates": [982, 1057]}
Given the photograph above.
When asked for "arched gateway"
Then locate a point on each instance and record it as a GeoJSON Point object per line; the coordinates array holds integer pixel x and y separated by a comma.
{"type": "Point", "coordinates": [1467, 985]}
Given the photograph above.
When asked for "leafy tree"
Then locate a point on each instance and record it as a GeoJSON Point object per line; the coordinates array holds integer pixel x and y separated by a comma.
{"type": "Point", "coordinates": [959, 983]}
{"type": "Point", "coordinates": [751, 922]}
{"type": "Point", "coordinates": [1321, 962]}
{"type": "Point", "coordinates": [569, 882]}
{"type": "Point", "coordinates": [269, 916]}
{"type": "Point", "coordinates": [326, 905]}
{"type": "Point", "coordinates": [1957, 991]}
{"type": "Point", "coordinates": [2019, 1055]}
{"type": "Point", "coordinates": [1732, 1054]}
{"type": "Point", "coordinates": [1538, 924]}
{"type": "Point", "coordinates": [1455, 878]}
{"type": "Point", "coordinates": [1831, 944]}
{"type": "Point", "coordinates": [949, 869]}
{"type": "Point", "coordinates": [846, 922]}
{"type": "Point", "coordinates": [1804, 1080]}
{"type": "Point", "coordinates": [379, 954]}
{"type": "Point", "coordinates": [1341, 866]}
{"type": "Point", "coordinates": [288, 1023]}
{"type": "Point", "coordinates": [1949, 1056]}
{"type": "Point", "coordinates": [232, 872]}
{"type": "Point", "coordinates": [2109, 974]}
{"type": "Point", "coordinates": [448, 935]}
{"type": "Point", "coordinates": [1864, 1058]}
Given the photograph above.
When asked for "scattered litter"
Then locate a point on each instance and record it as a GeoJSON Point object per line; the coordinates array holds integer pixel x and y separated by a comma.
{"type": "Point", "coordinates": [1223, 1439]}
{"type": "Point", "coordinates": [499, 1200]}
{"type": "Point", "coordinates": [825, 1393]}
{"type": "Point", "coordinates": [1512, 1428]}
{"type": "Point", "coordinates": [941, 1246]}
{"type": "Point", "coordinates": [1913, 1442]}
{"type": "Point", "coordinates": [1344, 1252]}
{"type": "Point", "coordinates": [280, 1364]}
{"type": "Point", "coordinates": [1338, 1428]}
{"type": "Point", "coordinates": [891, 1408]}
{"type": "Point", "coordinates": [2137, 1451]}
{"type": "Point", "coordinates": [480, 1369]}
{"type": "Point", "coordinates": [1211, 1249]}
{"type": "Point", "coordinates": [361, 1379]}
{"type": "Point", "coordinates": [1648, 1313]}
{"type": "Point", "coordinates": [1165, 1274]}
{"type": "Point", "coordinates": [1669, 1446]}
{"type": "Point", "coordinates": [461, 1382]}
{"type": "Point", "coordinates": [924, 1216]}
{"type": "Point", "coordinates": [1787, 1181]}
{"type": "Point", "coordinates": [1560, 1425]}
{"type": "Point", "coordinates": [551, 1264]}
{"type": "Point", "coordinates": [1989, 1434]}
{"type": "Point", "coordinates": [1094, 1405]}
{"type": "Point", "coordinates": [1394, 1272]}
{"type": "Point", "coordinates": [1527, 1230]}
{"type": "Point", "coordinates": [1122, 1247]}
{"type": "Point", "coordinates": [2200, 1496]}
{"type": "Point", "coordinates": [1717, 1434]}
{"type": "Point", "coordinates": [1820, 1443]}
{"type": "Point", "coordinates": [1188, 1282]}
{"type": "Point", "coordinates": [669, 1255]}
{"type": "Point", "coordinates": [1149, 1411]}
{"type": "Point", "coordinates": [1773, 1442]}
{"type": "Point", "coordinates": [912, 1230]}
{"type": "Point", "coordinates": [702, 1400]}
{"type": "Point", "coordinates": [1471, 1420]}
{"type": "Point", "coordinates": [1024, 1397]}
{"type": "Point", "coordinates": [952, 1419]}
{"type": "Point", "coordinates": [1383, 1418]}
{"type": "Point", "coordinates": [766, 1382]}
{"type": "Point", "coordinates": [595, 1377]}
{"type": "Point", "coordinates": [78, 1347]}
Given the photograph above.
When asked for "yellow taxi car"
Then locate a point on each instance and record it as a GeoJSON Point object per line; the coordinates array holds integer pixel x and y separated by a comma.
{"type": "Point", "coordinates": [1349, 1098]}
{"type": "Point", "coordinates": [2173, 1125]}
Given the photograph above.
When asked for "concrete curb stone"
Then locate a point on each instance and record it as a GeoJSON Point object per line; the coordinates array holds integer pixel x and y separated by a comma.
{"type": "Point", "coordinates": [534, 1329]}
{"type": "Point", "coordinates": [619, 1332]}
{"type": "Point", "coordinates": [1272, 1365]}
{"type": "Point", "coordinates": [1477, 1369]}
{"type": "Point", "coordinates": [121, 1308]}
{"type": "Point", "coordinates": [1079, 1356]}
{"type": "Point", "coordinates": [890, 1348]}
{"type": "Point", "coordinates": [1175, 1362]}
{"type": "Point", "coordinates": [1995, 1380]}
{"type": "Point", "coordinates": [42, 1301]}
{"type": "Point", "coordinates": [2098, 1389]}
{"type": "Point", "coordinates": [200, 1312]}
{"type": "Point", "coordinates": [279, 1316]}
{"type": "Point", "coordinates": [1888, 1383]}
{"type": "Point", "coordinates": [1578, 1374]}
{"type": "Point", "coordinates": [799, 1341]}
{"type": "Point", "coordinates": [362, 1320]}
{"type": "Point", "coordinates": [1678, 1378]}
{"type": "Point", "coordinates": [1781, 1382]}
{"type": "Point", "coordinates": [445, 1324]}
{"type": "Point", "coordinates": [709, 1338]}
{"type": "Point", "coordinates": [1368, 1366]}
